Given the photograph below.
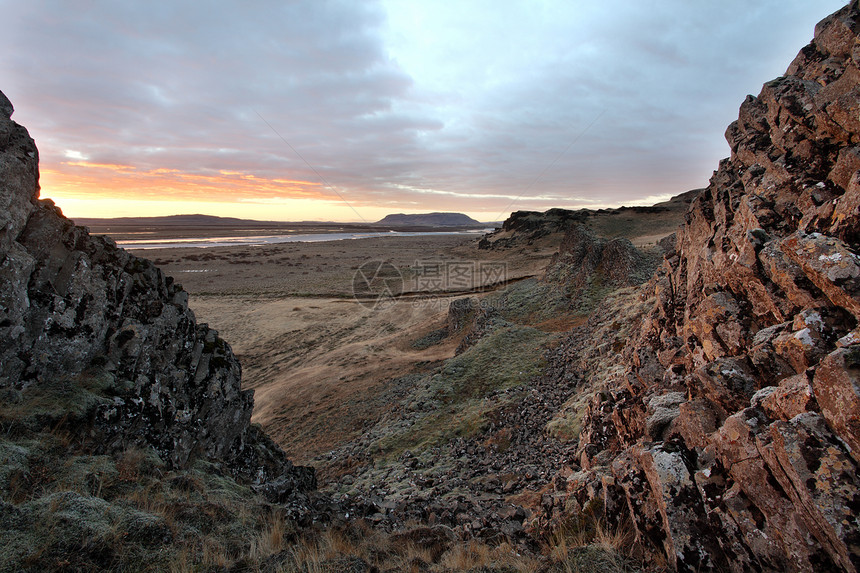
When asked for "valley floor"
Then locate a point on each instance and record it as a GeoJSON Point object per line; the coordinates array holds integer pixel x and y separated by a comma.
{"type": "Point", "coordinates": [318, 359]}
{"type": "Point", "coordinates": [412, 413]}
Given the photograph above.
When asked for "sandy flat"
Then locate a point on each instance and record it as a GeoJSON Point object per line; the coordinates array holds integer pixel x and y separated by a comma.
{"type": "Point", "coordinates": [317, 358]}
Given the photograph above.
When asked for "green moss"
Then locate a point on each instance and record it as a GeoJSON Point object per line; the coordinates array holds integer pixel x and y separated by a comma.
{"type": "Point", "coordinates": [66, 526]}
{"type": "Point", "coordinates": [430, 339]}
{"type": "Point", "coordinates": [530, 301]}
{"type": "Point", "coordinates": [567, 423]}
{"type": "Point", "coordinates": [124, 513]}
{"type": "Point", "coordinates": [596, 558]}
{"type": "Point", "coordinates": [92, 474]}
{"type": "Point", "coordinates": [48, 402]}
{"type": "Point", "coordinates": [503, 359]}
{"type": "Point", "coordinates": [13, 461]}
{"type": "Point", "coordinates": [455, 397]}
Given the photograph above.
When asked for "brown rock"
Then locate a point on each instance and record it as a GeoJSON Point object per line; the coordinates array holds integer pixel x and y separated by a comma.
{"type": "Point", "coordinates": [837, 390]}
{"type": "Point", "coordinates": [696, 421]}
{"type": "Point", "coordinates": [792, 397]}
{"type": "Point", "coordinates": [821, 481]}
{"type": "Point", "coordinates": [830, 265]}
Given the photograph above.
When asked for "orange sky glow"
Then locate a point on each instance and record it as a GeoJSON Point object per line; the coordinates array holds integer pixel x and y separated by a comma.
{"type": "Point", "coordinates": [85, 189]}
{"type": "Point", "coordinates": [305, 111]}
{"type": "Point", "coordinates": [94, 190]}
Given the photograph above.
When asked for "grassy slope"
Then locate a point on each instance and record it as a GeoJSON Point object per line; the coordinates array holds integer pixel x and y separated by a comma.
{"type": "Point", "coordinates": [65, 508]}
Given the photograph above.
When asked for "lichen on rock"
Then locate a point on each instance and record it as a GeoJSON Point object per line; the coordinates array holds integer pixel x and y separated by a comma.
{"type": "Point", "coordinates": [737, 449]}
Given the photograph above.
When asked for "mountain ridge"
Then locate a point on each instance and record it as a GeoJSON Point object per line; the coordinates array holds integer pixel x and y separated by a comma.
{"type": "Point", "coordinates": [428, 220]}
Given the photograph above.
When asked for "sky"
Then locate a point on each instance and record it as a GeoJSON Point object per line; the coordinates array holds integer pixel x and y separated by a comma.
{"type": "Point", "coordinates": [347, 110]}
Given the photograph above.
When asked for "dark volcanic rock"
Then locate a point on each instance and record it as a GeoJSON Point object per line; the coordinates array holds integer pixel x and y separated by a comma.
{"type": "Point", "coordinates": [75, 308]}
{"type": "Point", "coordinates": [730, 442]}
{"type": "Point", "coordinates": [522, 227]}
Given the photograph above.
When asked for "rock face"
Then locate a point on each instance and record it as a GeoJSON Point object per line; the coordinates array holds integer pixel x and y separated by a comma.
{"type": "Point", "coordinates": [75, 309]}
{"type": "Point", "coordinates": [731, 441]}
{"type": "Point", "coordinates": [584, 260]}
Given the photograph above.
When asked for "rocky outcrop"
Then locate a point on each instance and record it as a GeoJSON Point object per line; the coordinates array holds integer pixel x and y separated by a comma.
{"type": "Point", "coordinates": [523, 227]}
{"type": "Point", "coordinates": [729, 440]}
{"type": "Point", "coordinates": [533, 228]}
{"type": "Point", "coordinates": [586, 261]}
{"type": "Point", "coordinates": [79, 316]}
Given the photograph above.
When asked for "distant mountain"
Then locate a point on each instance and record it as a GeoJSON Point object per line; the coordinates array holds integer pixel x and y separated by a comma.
{"type": "Point", "coordinates": [171, 220]}
{"type": "Point", "coordinates": [429, 220]}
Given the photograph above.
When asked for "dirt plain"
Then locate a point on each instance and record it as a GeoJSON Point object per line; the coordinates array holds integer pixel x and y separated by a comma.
{"type": "Point", "coordinates": [317, 357]}
{"type": "Point", "coordinates": [320, 358]}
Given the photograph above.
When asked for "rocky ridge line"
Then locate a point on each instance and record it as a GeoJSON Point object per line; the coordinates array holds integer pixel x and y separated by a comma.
{"type": "Point", "coordinates": [85, 321]}
{"type": "Point", "coordinates": [730, 439]}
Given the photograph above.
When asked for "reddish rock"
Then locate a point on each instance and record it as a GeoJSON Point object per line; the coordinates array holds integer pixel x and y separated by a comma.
{"type": "Point", "coordinates": [793, 396]}
{"type": "Point", "coordinates": [837, 390]}
{"type": "Point", "coordinates": [733, 434]}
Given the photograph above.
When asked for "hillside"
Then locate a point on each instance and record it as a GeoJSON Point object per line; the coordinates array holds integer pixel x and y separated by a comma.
{"type": "Point", "coordinates": [645, 225]}
{"type": "Point", "coordinates": [428, 220]}
{"type": "Point", "coordinates": [122, 416]}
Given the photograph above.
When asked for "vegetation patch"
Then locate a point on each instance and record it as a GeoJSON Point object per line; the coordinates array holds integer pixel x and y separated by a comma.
{"type": "Point", "coordinates": [531, 301]}
{"type": "Point", "coordinates": [567, 423]}
{"type": "Point", "coordinates": [455, 400]}
{"type": "Point", "coordinates": [503, 359]}
{"type": "Point", "coordinates": [430, 339]}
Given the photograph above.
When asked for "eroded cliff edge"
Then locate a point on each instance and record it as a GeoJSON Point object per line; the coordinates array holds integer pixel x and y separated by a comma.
{"type": "Point", "coordinates": [101, 342]}
{"type": "Point", "coordinates": [729, 438]}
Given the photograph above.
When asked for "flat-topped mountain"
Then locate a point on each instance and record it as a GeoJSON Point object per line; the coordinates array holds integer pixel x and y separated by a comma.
{"type": "Point", "coordinates": [429, 220]}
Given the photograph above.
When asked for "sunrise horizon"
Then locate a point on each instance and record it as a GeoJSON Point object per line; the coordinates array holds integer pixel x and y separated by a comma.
{"type": "Point", "coordinates": [351, 112]}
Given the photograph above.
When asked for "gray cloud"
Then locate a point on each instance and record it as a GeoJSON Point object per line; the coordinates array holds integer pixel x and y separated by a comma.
{"type": "Point", "coordinates": [403, 105]}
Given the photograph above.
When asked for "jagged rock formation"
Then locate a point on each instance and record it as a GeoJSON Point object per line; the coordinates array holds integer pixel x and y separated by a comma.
{"type": "Point", "coordinates": [730, 439]}
{"type": "Point", "coordinates": [584, 261]}
{"type": "Point", "coordinates": [79, 316]}
{"type": "Point", "coordinates": [523, 227]}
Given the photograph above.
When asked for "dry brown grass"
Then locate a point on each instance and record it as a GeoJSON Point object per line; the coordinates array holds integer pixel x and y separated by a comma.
{"type": "Point", "coordinates": [475, 556]}
{"type": "Point", "coordinates": [588, 545]}
{"type": "Point", "coordinates": [323, 552]}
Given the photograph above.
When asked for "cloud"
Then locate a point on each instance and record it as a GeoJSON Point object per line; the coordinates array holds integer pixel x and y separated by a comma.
{"type": "Point", "coordinates": [429, 106]}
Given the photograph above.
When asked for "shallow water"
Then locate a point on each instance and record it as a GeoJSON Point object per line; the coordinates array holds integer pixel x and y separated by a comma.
{"type": "Point", "coordinates": [273, 239]}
